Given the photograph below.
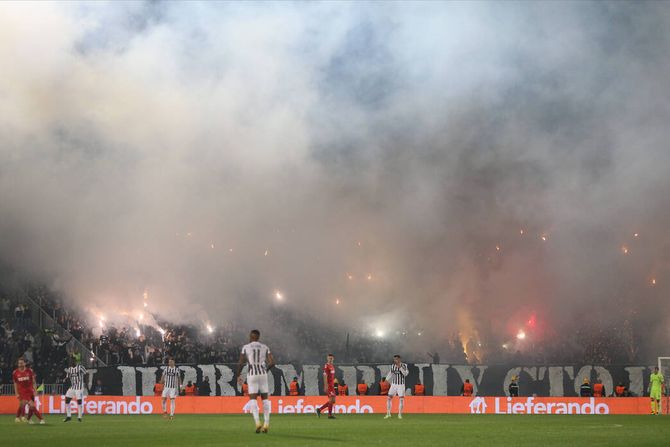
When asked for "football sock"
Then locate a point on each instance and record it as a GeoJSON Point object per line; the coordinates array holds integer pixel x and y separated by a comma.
{"type": "Point", "coordinates": [68, 409]}
{"type": "Point", "coordinates": [401, 405]}
{"type": "Point", "coordinates": [253, 406]}
{"type": "Point", "coordinates": [164, 405]}
{"type": "Point", "coordinates": [173, 404]}
{"type": "Point", "coordinates": [80, 409]}
{"type": "Point", "coordinates": [388, 405]}
{"type": "Point", "coordinates": [324, 406]}
{"type": "Point", "coordinates": [266, 411]}
{"type": "Point", "coordinates": [653, 406]}
{"type": "Point", "coordinates": [37, 413]}
{"type": "Point", "coordinates": [330, 409]}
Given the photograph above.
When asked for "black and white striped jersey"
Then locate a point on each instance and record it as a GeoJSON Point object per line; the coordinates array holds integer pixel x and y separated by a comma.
{"type": "Point", "coordinates": [256, 353]}
{"type": "Point", "coordinates": [397, 374]}
{"type": "Point", "coordinates": [171, 377]}
{"type": "Point", "coordinates": [76, 376]}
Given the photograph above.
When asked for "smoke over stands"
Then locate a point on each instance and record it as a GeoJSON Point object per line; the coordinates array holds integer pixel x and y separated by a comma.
{"type": "Point", "coordinates": [492, 173]}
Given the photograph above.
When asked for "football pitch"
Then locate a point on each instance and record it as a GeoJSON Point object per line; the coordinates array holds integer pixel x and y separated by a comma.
{"type": "Point", "coordinates": [353, 430]}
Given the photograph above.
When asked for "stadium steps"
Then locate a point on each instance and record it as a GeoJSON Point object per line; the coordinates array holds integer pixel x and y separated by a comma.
{"type": "Point", "coordinates": [45, 321]}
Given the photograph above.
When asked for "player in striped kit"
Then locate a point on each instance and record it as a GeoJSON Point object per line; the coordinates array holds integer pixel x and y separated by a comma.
{"type": "Point", "coordinates": [171, 381]}
{"type": "Point", "coordinates": [396, 376]}
{"type": "Point", "coordinates": [75, 374]}
{"type": "Point", "coordinates": [260, 360]}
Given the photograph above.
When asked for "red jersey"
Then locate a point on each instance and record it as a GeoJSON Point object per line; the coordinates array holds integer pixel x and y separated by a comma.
{"type": "Point", "coordinates": [24, 380]}
{"type": "Point", "coordinates": [329, 371]}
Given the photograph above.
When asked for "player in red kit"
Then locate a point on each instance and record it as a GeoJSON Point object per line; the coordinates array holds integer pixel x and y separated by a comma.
{"type": "Point", "coordinates": [24, 388]}
{"type": "Point", "coordinates": [329, 386]}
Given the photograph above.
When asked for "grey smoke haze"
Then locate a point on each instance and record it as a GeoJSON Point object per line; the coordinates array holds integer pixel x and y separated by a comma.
{"type": "Point", "coordinates": [168, 146]}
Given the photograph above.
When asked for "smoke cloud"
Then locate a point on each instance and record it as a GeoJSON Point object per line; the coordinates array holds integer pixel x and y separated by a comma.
{"type": "Point", "coordinates": [434, 168]}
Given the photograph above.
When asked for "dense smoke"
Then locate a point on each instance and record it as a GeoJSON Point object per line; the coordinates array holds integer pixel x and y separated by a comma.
{"type": "Point", "coordinates": [438, 168]}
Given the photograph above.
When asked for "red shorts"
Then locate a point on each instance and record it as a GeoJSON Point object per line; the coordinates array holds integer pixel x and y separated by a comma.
{"type": "Point", "coordinates": [331, 392]}
{"type": "Point", "coordinates": [26, 395]}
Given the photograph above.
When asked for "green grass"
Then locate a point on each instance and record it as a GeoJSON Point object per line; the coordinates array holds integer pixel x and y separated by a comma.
{"type": "Point", "coordinates": [352, 430]}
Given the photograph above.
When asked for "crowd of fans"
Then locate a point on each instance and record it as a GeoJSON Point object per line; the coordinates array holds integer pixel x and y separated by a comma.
{"type": "Point", "coordinates": [293, 338]}
{"type": "Point", "coordinates": [184, 343]}
{"type": "Point", "coordinates": [45, 350]}
{"type": "Point", "coordinates": [145, 344]}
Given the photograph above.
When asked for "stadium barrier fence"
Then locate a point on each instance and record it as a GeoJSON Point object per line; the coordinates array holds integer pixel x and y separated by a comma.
{"type": "Point", "coordinates": [126, 405]}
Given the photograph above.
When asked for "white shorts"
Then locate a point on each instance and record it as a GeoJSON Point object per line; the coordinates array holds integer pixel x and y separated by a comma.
{"type": "Point", "coordinates": [74, 394]}
{"type": "Point", "coordinates": [397, 390]}
{"type": "Point", "coordinates": [258, 384]}
{"type": "Point", "coordinates": [170, 393]}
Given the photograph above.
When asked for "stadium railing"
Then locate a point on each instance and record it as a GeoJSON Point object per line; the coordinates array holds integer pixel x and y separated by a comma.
{"type": "Point", "coordinates": [46, 321]}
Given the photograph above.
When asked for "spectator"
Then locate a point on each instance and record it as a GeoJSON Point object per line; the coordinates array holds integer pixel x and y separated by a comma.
{"type": "Point", "coordinates": [18, 315]}
{"type": "Point", "coordinates": [599, 389]}
{"type": "Point", "coordinates": [362, 389]}
{"type": "Point", "coordinates": [513, 387]}
{"type": "Point", "coordinates": [28, 356]}
{"type": "Point", "coordinates": [343, 390]}
{"type": "Point", "coordinates": [5, 305]}
{"type": "Point", "coordinates": [205, 389]}
{"type": "Point", "coordinates": [419, 389]}
{"type": "Point", "coordinates": [467, 389]}
{"type": "Point", "coordinates": [189, 389]}
{"type": "Point", "coordinates": [384, 387]}
{"type": "Point", "coordinates": [294, 387]}
{"type": "Point", "coordinates": [620, 390]}
{"type": "Point", "coordinates": [158, 388]}
{"type": "Point", "coordinates": [97, 389]}
{"type": "Point", "coordinates": [585, 389]}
